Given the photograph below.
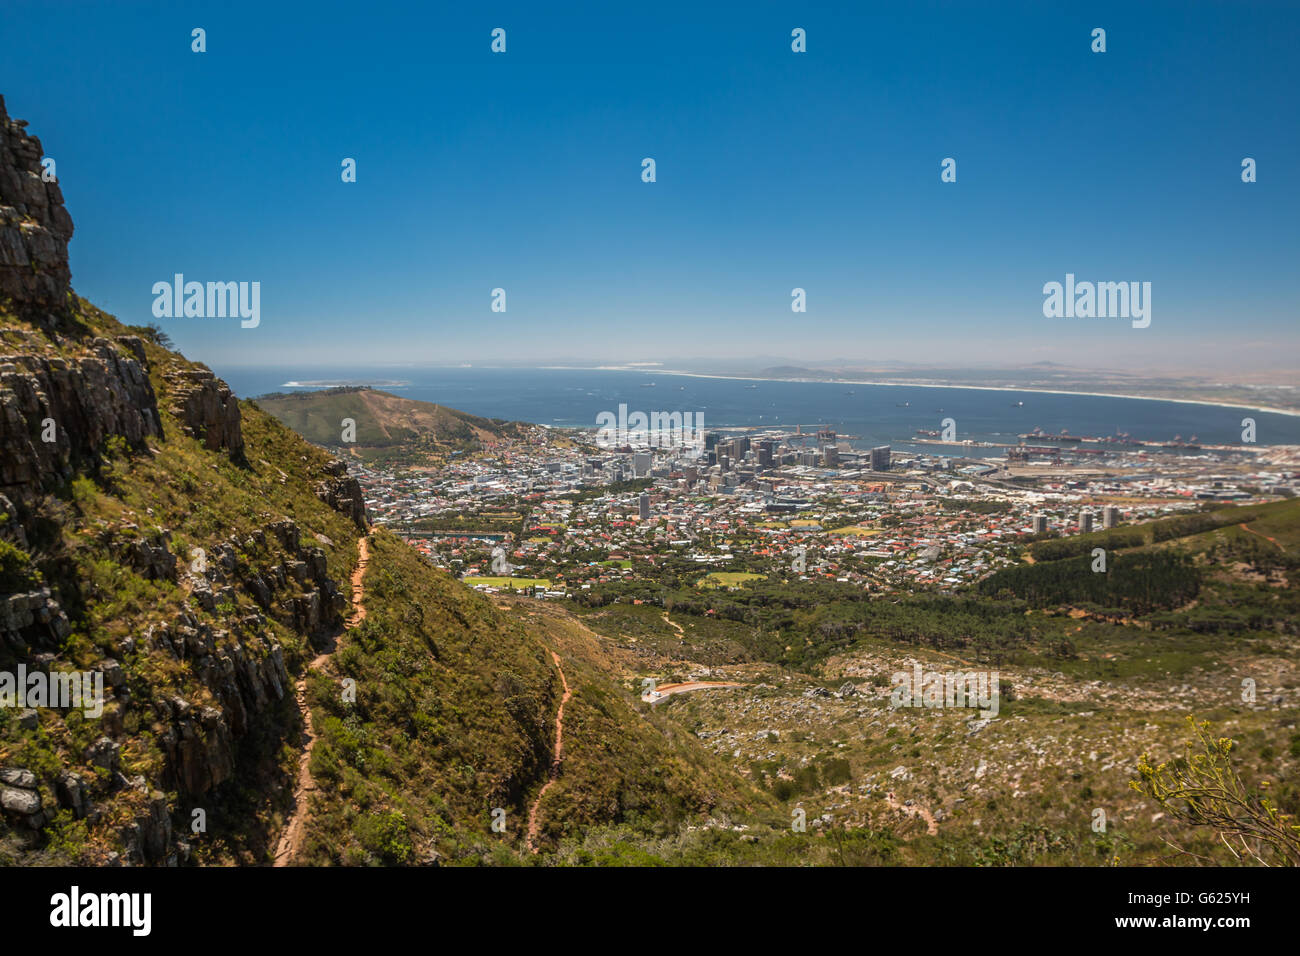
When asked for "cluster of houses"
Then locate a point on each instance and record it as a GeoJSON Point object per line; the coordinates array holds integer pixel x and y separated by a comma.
{"type": "Point", "coordinates": [560, 516]}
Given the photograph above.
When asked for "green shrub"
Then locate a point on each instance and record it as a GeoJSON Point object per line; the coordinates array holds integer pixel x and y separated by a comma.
{"type": "Point", "coordinates": [16, 570]}
{"type": "Point", "coordinates": [386, 836]}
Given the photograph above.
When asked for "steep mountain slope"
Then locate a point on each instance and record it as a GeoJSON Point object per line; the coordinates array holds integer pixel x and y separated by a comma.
{"type": "Point", "coordinates": [193, 555]}
{"type": "Point", "coordinates": [452, 730]}
{"type": "Point", "coordinates": [153, 546]}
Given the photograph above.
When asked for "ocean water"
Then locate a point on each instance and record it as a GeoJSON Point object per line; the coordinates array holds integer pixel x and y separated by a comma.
{"type": "Point", "coordinates": [872, 414]}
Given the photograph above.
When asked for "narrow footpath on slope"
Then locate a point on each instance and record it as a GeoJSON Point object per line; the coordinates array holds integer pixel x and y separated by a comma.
{"type": "Point", "coordinates": [915, 810]}
{"type": "Point", "coordinates": [1260, 534]}
{"type": "Point", "coordinates": [533, 822]}
{"type": "Point", "coordinates": [292, 836]}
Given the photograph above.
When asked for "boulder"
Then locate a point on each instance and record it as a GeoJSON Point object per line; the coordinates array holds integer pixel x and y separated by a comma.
{"type": "Point", "coordinates": [25, 803]}
{"type": "Point", "coordinates": [18, 778]}
{"type": "Point", "coordinates": [70, 789]}
{"type": "Point", "coordinates": [104, 753]}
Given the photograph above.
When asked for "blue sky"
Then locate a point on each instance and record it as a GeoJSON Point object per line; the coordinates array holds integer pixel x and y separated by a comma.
{"type": "Point", "coordinates": [775, 170]}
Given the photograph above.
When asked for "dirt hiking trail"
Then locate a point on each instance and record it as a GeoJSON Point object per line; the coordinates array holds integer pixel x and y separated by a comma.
{"type": "Point", "coordinates": [533, 822]}
{"type": "Point", "coordinates": [915, 810]}
{"type": "Point", "coordinates": [292, 836]}
{"type": "Point", "coordinates": [1260, 534]}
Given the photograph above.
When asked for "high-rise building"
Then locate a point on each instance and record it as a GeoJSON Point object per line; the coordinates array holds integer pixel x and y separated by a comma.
{"type": "Point", "coordinates": [831, 456]}
{"type": "Point", "coordinates": [644, 502]}
{"type": "Point", "coordinates": [1109, 516]}
{"type": "Point", "coordinates": [641, 463]}
{"type": "Point", "coordinates": [880, 458]}
{"type": "Point", "coordinates": [1040, 524]}
{"type": "Point", "coordinates": [1085, 522]}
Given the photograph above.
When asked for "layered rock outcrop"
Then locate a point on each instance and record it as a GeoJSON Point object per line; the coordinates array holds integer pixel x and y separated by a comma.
{"type": "Point", "coordinates": [343, 493]}
{"type": "Point", "coordinates": [32, 619]}
{"type": "Point", "coordinates": [34, 226]}
{"type": "Point", "coordinates": [20, 796]}
{"type": "Point", "coordinates": [57, 413]}
{"type": "Point", "coordinates": [197, 670]}
{"type": "Point", "coordinates": [208, 410]}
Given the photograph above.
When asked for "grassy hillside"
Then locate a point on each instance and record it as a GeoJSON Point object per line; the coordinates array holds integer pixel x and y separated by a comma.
{"type": "Point", "coordinates": [246, 565]}
{"type": "Point", "coordinates": [1278, 520]}
{"type": "Point", "coordinates": [626, 764]}
{"type": "Point", "coordinates": [389, 429]}
{"type": "Point", "coordinates": [453, 719]}
{"type": "Point", "coordinates": [1096, 669]}
{"type": "Point", "coordinates": [170, 636]}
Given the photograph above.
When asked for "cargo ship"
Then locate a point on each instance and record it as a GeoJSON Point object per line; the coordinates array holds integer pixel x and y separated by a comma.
{"type": "Point", "coordinates": [1039, 435]}
{"type": "Point", "coordinates": [1121, 440]}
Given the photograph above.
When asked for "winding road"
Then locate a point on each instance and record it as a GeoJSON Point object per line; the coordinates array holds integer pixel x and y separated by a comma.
{"type": "Point", "coordinates": [663, 691]}
{"type": "Point", "coordinates": [292, 836]}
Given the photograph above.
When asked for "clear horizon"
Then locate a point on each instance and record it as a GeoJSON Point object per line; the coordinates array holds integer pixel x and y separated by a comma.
{"type": "Point", "coordinates": [1283, 373]}
{"type": "Point", "coordinates": [775, 170]}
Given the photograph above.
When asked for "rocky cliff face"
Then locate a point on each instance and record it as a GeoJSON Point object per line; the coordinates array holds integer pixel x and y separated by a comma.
{"type": "Point", "coordinates": [192, 654]}
{"type": "Point", "coordinates": [343, 493]}
{"type": "Point", "coordinates": [62, 394]}
{"type": "Point", "coordinates": [34, 226]}
{"type": "Point", "coordinates": [56, 413]}
{"type": "Point", "coordinates": [209, 410]}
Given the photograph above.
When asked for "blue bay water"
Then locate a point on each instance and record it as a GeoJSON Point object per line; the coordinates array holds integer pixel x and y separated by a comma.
{"type": "Point", "coordinates": [874, 414]}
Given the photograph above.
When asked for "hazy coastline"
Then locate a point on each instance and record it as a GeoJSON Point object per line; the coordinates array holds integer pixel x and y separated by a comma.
{"type": "Point", "coordinates": [1294, 413]}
